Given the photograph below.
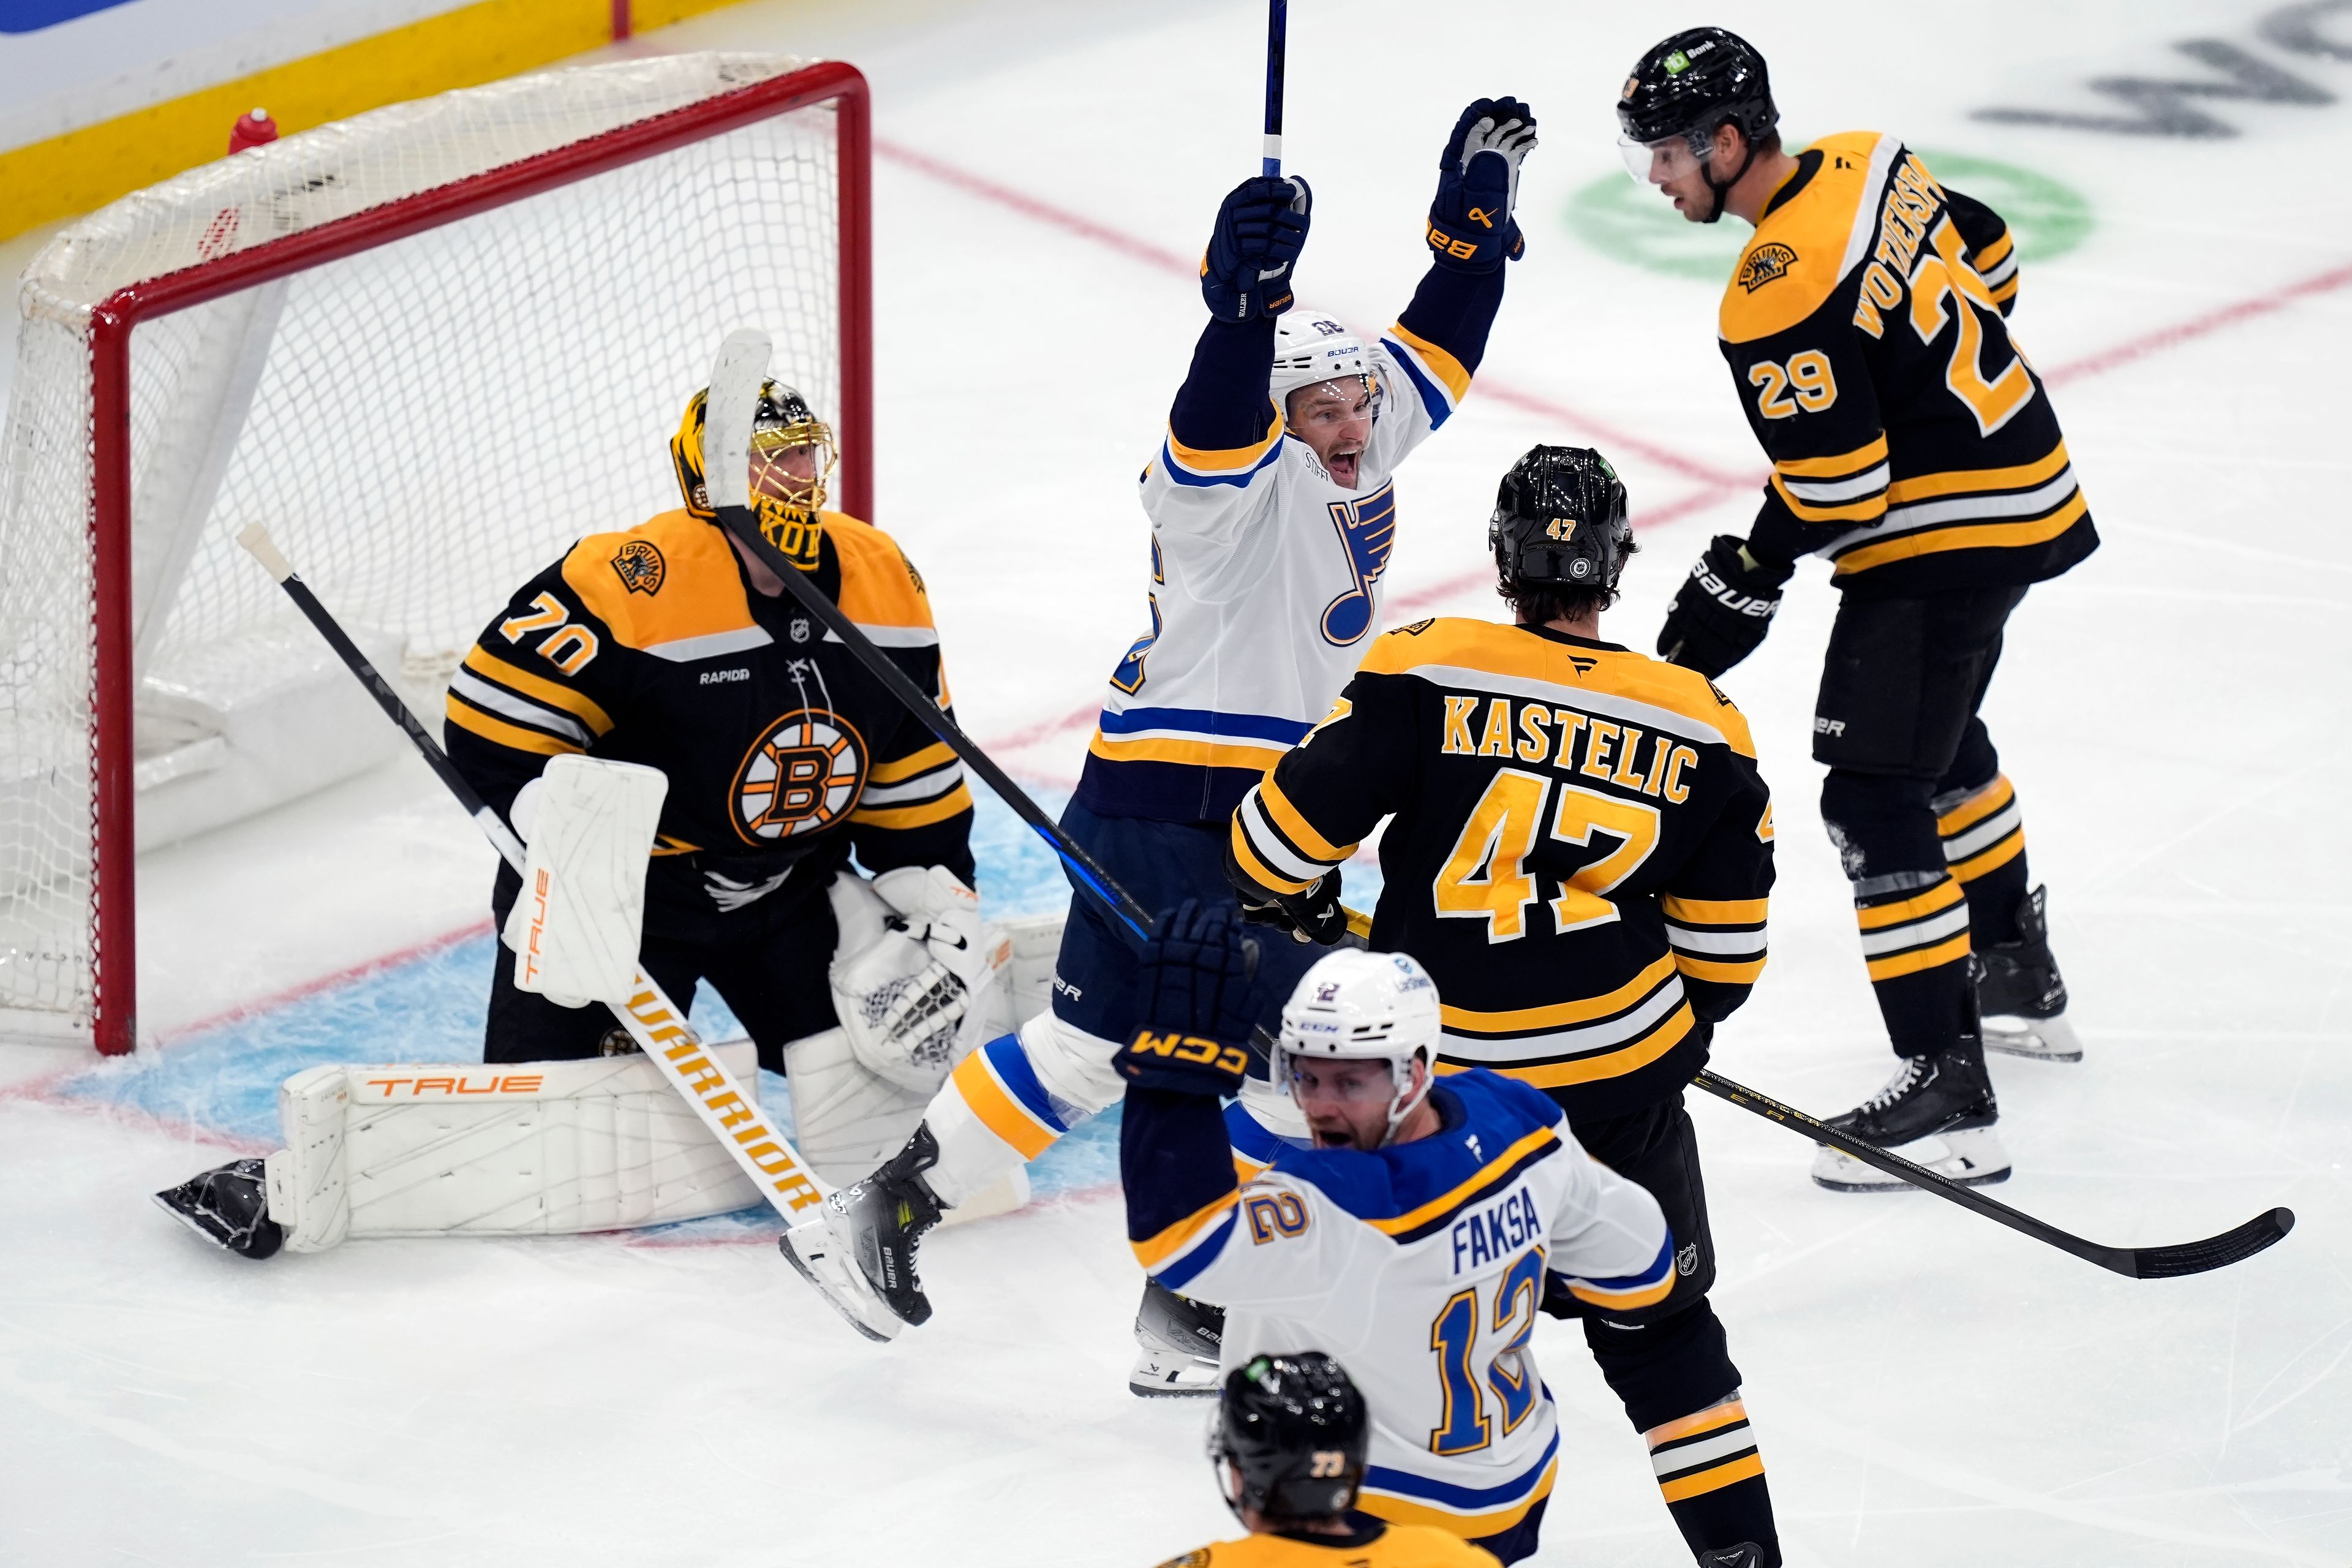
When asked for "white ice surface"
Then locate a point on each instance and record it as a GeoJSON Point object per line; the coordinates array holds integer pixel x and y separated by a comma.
{"type": "Point", "coordinates": [1927, 1388]}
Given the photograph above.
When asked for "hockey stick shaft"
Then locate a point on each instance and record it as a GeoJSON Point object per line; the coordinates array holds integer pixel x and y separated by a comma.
{"type": "Point", "coordinates": [657, 1024]}
{"type": "Point", "coordinates": [2134, 1262]}
{"type": "Point", "coordinates": [1277, 28]}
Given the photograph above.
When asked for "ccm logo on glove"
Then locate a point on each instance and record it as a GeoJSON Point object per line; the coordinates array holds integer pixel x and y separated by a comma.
{"type": "Point", "coordinates": [1191, 1049]}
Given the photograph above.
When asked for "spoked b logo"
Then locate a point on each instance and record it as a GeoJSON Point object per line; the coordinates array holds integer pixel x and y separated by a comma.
{"type": "Point", "coordinates": [804, 773]}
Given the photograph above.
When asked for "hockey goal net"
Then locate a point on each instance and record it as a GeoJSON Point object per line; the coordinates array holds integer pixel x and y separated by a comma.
{"type": "Point", "coordinates": [426, 348]}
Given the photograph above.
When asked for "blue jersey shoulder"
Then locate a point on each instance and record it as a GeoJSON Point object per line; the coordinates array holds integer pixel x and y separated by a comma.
{"type": "Point", "coordinates": [1491, 1128]}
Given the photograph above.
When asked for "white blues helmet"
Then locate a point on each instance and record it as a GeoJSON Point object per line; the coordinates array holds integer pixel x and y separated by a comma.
{"type": "Point", "coordinates": [1359, 1006]}
{"type": "Point", "coordinates": [1308, 347]}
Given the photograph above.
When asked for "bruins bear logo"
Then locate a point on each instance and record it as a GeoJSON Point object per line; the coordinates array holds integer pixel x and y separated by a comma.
{"type": "Point", "coordinates": [640, 566]}
{"type": "Point", "coordinates": [803, 775]}
{"type": "Point", "coordinates": [1765, 263]}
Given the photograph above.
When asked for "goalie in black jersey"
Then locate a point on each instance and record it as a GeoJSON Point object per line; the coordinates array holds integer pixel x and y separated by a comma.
{"type": "Point", "coordinates": [1579, 851]}
{"type": "Point", "coordinates": [1913, 446]}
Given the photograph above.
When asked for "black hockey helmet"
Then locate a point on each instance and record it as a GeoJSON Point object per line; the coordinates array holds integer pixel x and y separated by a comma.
{"type": "Point", "coordinates": [1294, 1429]}
{"type": "Point", "coordinates": [1685, 89]}
{"type": "Point", "coordinates": [1560, 523]}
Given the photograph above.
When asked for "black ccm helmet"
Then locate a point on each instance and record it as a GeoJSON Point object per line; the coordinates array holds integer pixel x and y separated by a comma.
{"type": "Point", "coordinates": [1560, 523]}
{"type": "Point", "coordinates": [1295, 1429]}
{"type": "Point", "coordinates": [1681, 93]}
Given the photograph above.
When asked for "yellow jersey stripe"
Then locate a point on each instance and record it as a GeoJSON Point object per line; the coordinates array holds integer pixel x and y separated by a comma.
{"type": "Point", "coordinates": [997, 1110]}
{"type": "Point", "coordinates": [1561, 1013]}
{"type": "Point", "coordinates": [1626, 1301]}
{"type": "Point", "coordinates": [1715, 912]}
{"type": "Point", "coordinates": [1296, 828]}
{"type": "Point", "coordinates": [1436, 360]}
{"type": "Point", "coordinates": [1154, 1250]}
{"type": "Point", "coordinates": [1255, 757]}
{"type": "Point", "coordinates": [1692, 1426]}
{"type": "Point", "coordinates": [483, 662]}
{"type": "Point", "coordinates": [1980, 536]}
{"type": "Point", "coordinates": [1256, 866]}
{"type": "Point", "coordinates": [512, 736]}
{"type": "Point", "coordinates": [1469, 1526]}
{"type": "Point", "coordinates": [2024, 475]}
{"type": "Point", "coordinates": [1210, 460]}
{"type": "Point", "coordinates": [903, 768]}
{"type": "Point", "coordinates": [1742, 971]}
{"type": "Point", "coordinates": [1446, 1202]}
{"type": "Point", "coordinates": [1624, 1059]}
{"type": "Point", "coordinates": [1977, 808]}
{"type": "Point", "coordinates": [1897, 965]}
{"type": "Point", "coordinates": [921, 815]}
{"type": "Point", "coordinates": [1995, 253]}
{"type": "Point", "coordinates": [1870, 508]}
{"type": "Point", "coordinates": [2006, 848]}
{"type": "Point", "coordinates": [1877, 917]}
{"type": "Point", "coordinates": [1716, 1480]}
{"type": "Point", "coordinates": [1843, 463]}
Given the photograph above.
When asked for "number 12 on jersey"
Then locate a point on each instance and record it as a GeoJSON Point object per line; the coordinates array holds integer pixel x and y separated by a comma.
{"type": "Point", "coordinates": [1467, 1427]}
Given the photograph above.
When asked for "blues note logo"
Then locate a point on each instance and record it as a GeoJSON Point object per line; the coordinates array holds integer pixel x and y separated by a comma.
{"type": "Point", "coordinates": [1366, 530]}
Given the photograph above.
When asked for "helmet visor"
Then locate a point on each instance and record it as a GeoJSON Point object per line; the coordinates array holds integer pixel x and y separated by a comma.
{"type": "Point", "coordinates": [1665, 160]}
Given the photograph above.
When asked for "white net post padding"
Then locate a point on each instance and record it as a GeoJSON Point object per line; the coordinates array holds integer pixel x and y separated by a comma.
{"type": "Point", "coordinates": [421, 424]}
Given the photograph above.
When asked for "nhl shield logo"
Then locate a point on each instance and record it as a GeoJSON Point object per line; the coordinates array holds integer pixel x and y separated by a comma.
{"type": "Point", "coordinates": [803, 775]}
{"type": "Point", "coordinates": [1765, 263]}
{"type": "Point", "coordinates": [640, 567]}
{"type": "Point", "coordinates": [1687, 1260]}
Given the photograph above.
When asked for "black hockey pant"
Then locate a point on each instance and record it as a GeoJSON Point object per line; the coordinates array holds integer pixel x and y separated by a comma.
{"type": "Point", "coordinates": [1926, 824]}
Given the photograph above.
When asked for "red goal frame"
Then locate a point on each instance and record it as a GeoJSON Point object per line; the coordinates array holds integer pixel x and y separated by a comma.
{"type": "Point", "coordinates": [114, 979]}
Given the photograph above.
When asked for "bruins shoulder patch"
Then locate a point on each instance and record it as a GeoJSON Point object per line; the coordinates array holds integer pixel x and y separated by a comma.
{"type": "Point", "coordinates": [1414, 629]}
{"type": "Point", "coordinates": [640, 566]}
{"type": "Point", "coordinates": [1765, 263]}
{"type": "Point", "coordinates": [1196, 1558]}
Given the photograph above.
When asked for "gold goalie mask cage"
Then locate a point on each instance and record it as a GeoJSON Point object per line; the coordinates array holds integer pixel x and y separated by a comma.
{"type": "Point", "coordinates": [790, 507]}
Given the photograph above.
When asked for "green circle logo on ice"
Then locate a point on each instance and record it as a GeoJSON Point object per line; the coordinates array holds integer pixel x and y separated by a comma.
{"type": "Point", "coordinates": [1635, 225]}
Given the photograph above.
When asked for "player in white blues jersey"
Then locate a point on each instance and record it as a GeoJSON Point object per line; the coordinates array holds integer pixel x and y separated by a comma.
{"type": "Point", "coordinates": [1272, 509]}
{"type": "Point", "coordinates": [1415, 1242]}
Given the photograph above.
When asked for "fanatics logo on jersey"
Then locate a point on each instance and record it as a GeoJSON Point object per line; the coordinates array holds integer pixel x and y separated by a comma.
{"type": "Point", "coordinates": [1765, 263]}
{"type": "Point", "coordinates": [803, 774]}
{"type": "Point", "coordinates": [640, 566]}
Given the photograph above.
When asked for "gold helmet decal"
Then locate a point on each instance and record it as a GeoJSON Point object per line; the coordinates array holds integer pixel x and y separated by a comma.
{"type": "Point", "coordinates": [787, 437]}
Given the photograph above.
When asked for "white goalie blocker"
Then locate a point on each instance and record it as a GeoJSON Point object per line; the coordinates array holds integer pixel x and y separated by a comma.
{"type": "Point", "coordinates": [556, 1148]}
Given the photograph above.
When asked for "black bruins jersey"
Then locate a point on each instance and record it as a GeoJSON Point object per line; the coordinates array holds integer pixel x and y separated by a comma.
{"type": "Point", "coordinates": [1579, 848]}
{"type": "Point", "coordinates": [1912, 442]}
{"type": "Point", "coordinates": [782, 752]}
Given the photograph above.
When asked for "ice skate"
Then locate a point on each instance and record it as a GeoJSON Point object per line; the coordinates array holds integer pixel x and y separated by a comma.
{"type": "Point", "coordinates": [2021, 993]}
{"type": "Point", "coordinates": [1177, 1341]}
{"type": "Point", "coordinates": [860, 1251]}
{"type": "Point", "coordinates": [228, 1206]}
{"type": "Point", "coordinates": [1937, 1111]}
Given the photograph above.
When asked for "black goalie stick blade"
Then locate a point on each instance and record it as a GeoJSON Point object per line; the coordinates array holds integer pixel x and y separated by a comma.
{"type": "Point", "coordinates": [2214, 1251]}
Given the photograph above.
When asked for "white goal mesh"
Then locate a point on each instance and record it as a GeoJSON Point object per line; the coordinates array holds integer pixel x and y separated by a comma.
{"type": "Point", "coordinates": [420, 424]}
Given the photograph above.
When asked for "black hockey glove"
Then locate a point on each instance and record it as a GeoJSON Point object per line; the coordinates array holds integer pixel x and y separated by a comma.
{"type": "Point", "coordinates": [1261, 228]}
{"type": "Point", "coordinates": [1471, 229]}
{"type": "Point", "coordinates": [1315, 915]}
{"type": "Point", "coordinates": [1196, 1000]}
{"type": "Point", "coordinates": [1723, 609]}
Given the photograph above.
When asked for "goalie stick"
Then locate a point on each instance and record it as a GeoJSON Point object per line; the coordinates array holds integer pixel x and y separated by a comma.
{"type": "Point", "coordinates": [657, 1024]}
{"type": "Point", "coordinates": [741, 366]}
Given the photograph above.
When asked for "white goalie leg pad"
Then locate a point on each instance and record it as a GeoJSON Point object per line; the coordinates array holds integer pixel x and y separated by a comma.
{"type": "Point", "coordinates": [510, 1149]}
{"type": "Point", "coordinates": [576, 930]}
{"type": "Point", "coordinates": [847, 1120]}
{"type": "Point", "coordinates": [1028, 983]}
{"type": "Point", "coordinates": [914, 999]}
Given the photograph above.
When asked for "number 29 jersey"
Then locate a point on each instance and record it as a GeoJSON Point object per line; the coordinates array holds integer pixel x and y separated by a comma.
{"type": "Point", "coordinates": [1419, 1267]}
{"type": "Point", "coordinates": [1912, 441]}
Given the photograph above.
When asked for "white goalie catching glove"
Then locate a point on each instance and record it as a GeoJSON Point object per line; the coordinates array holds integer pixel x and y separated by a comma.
{"type": "Point", "coordinates": [589, 826]}
{"type": "Point", "coordinates": [917, 976]}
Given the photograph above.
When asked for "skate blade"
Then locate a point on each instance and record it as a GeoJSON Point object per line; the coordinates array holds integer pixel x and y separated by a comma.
{"type": "Point", "coordinates": [1973, 1158]}
{"type": "Point", "coordinates": [1171, 1376]}
{"type": "Point", "coordinates": [820, 1263]}
{"type": "Point", "coordinates": [2042, 1039]}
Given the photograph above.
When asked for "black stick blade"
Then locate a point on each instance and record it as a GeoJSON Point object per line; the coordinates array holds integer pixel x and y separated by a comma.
{"type": "Point", "coordinates": [2213, 1252]}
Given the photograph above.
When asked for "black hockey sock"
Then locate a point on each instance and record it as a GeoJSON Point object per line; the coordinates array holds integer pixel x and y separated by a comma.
{"type": "Point", "coordinates": [1984, 844]}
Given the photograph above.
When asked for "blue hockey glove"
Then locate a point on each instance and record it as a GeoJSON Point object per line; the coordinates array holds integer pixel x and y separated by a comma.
{"type": "Point", "coordinates": [1261, 228]}
{"type": "Point", "coordinates": [1723, 609]}
{"type": "Point", "coordinates": [1196, 1000]}
{"type": "Point", "coordinates": [1471, 229]}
